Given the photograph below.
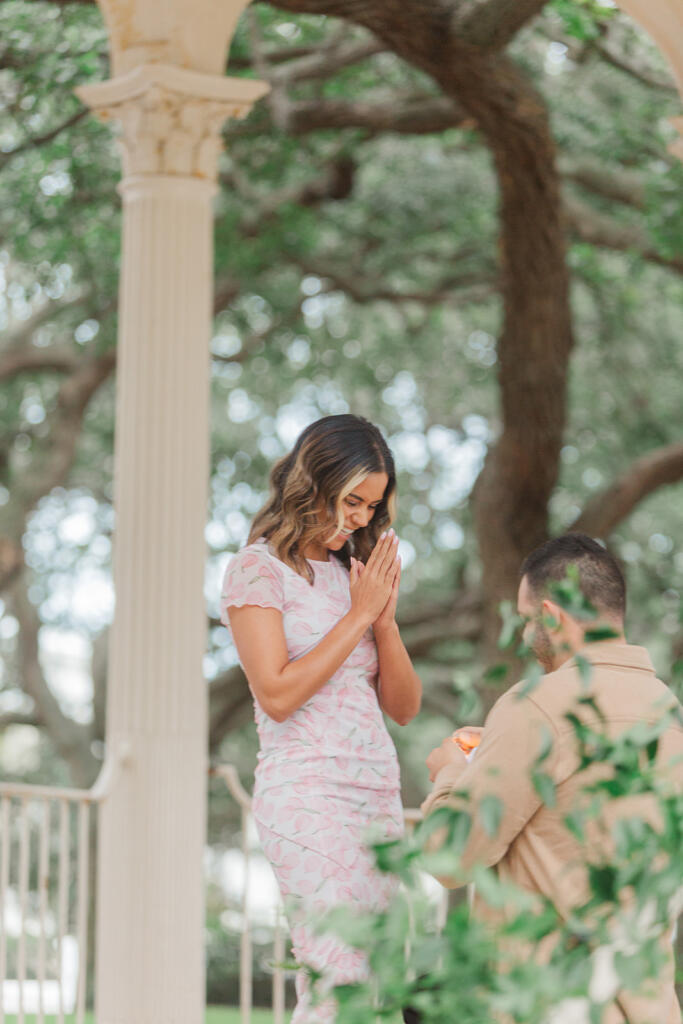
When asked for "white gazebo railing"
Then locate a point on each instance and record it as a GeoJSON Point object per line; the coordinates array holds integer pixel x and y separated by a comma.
{"type": "Point", "coordinates": [45, 837]}
{"type": "Point", "coordinates": [229, 774]}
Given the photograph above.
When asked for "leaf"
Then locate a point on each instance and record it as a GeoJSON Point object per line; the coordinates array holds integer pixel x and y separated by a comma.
{"type": "Point", "coordinates": [511, 625]}
{"type": "Point", "coordinates": [533, 676]}
{"type": "Point", "coordinates": [589, 701]}
{"type": "Point", "coordinates": [575, 821]}
{"type": "Point", "coordinates": [491, 813]}
{"type": "Point", "coordinates": [545, 787]}
{"type": "Point", "coordinates": [546, 746]}
{"type": "Point", "coordinates": [496, 673]}
{"type": "Point", "coordinates": [576, 17]}
{"type": "Point", "coordinates": [594, 636]}
{"type": "Point", "coordinates": [604, 882]}
{"type": "Point", "coordinates": [651, 749]}
{"type": "Point", "coordinates": [456, 821]}
{"type": "Point", "coordinates": [585, 669]}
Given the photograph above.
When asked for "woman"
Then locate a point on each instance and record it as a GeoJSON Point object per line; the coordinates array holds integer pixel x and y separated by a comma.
{"type": "Point", "coordinates": [311, 602]}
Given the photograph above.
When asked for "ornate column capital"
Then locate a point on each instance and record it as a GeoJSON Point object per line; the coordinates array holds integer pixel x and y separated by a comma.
{"type": "Point", "coordinates": [170, 118]}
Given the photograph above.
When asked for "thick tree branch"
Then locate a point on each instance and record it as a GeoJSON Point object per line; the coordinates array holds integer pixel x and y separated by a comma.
{"type": "Point", "coordinates": [281, 56]}
{"type": "Point", "coordinates": [422, 116]}
{"type": "Point", "coordinates": [17, 718]}
{"type": "Point", "coordinates": [648, 473]}
{"type": "Point", "coordinates": [491, 24]}
{"type": "Point", "coordinates": [360, 288]}
{"type": "Point", "coordinates": [589, 225]}
{"type": "Point", "coordinates": [487, 25]}
{"type": "Point", "coordinates": [463, 623]}
{"type": "Point", "coordinates": [230, 704]}
{"type": "Point", "coordinates": [99, 664]}
{"type": "Point", "coordinates": [70, 739]}
{"type": "Point", "coordinates": [52, 463]}
{"type": "Point", "coordinates": [611, 48]}
{"type": "Point", "coordinates": [21, 357]}
{"type": "Point", "coordinates": [32, 360]}
{"type": "Point", "coordinates": [40, 140]}
{"type": "Point", "coordinates": [226, 291]}
{"type": "Point", "coordinates": [324, 62]}
{"type": "Point", "coordinates": [11, 561]}
{"type": "Point", "coordinates": [24, 330]}
{"type": "Point", "coordinates": [616, 183]}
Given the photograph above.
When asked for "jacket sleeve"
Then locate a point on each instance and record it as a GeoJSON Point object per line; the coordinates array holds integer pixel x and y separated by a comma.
{"type": "Point", "coordinates": [495, 788]}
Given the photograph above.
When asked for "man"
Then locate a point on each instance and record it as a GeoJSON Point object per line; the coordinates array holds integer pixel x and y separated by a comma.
{"type": "Point", "coordinates": [532, 846]}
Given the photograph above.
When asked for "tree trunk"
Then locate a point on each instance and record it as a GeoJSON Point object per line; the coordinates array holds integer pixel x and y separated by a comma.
{"type": "Point", "coordinates": [514, 488]}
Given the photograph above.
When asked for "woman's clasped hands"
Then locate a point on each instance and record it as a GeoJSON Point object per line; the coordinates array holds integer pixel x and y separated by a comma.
{"type": "Point", "coordinates": [374, 586]}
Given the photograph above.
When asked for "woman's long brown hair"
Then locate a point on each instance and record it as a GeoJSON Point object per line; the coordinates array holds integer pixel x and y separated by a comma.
{"type": "Point", "coordinates": [307, 488]}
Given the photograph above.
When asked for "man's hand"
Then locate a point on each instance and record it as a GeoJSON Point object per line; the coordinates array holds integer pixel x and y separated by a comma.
{"type": "Point", "coordinates": [468, 737]}
{"type": "Point", "coordinates": [448, 753]}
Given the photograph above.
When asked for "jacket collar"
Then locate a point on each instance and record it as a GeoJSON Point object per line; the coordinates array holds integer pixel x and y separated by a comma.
{"type": "Point", "coordinates": [619, 655]}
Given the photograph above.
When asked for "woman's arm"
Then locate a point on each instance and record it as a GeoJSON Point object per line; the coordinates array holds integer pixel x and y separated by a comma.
{"type": "Point", "coordinates": [399, 687]}
{"type": "Point", "coordinates": [282, 686]}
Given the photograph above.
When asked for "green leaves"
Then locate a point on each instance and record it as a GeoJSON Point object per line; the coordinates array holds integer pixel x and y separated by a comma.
{"type": "Point", "coordinates": [491, 813]}
{"type": "Point", "coordinates": [511, 625]}
{"type": "Point", "coordinates": [545, 787]}
{"type": "Point", "coordinates": [478, 971]}
{"type": "Point", "coordinates": [568, 594]}
{"type": "Point", "coordinates": [582, 18]}
{"type": "Point", "coordinates": [456, 822]}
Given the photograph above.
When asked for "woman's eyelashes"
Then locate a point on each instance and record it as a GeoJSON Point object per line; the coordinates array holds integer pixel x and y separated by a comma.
{"type": "Point", "coordinates": [353, 504]}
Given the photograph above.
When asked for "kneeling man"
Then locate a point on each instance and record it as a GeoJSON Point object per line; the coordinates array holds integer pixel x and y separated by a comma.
{"type": "Point", "coordinates": [532, 846]}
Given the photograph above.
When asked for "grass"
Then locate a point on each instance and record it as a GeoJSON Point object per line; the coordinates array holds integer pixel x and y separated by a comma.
{"type": "Point", "coordinates": [214, 1015]}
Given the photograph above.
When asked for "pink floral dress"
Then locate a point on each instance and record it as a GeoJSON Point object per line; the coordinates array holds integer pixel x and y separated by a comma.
{"type": "Point", "coordinates": [325, 776]}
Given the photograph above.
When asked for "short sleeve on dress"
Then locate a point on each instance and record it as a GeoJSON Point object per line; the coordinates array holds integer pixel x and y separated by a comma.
{"type": "Point", "coordinates": [253, 576]}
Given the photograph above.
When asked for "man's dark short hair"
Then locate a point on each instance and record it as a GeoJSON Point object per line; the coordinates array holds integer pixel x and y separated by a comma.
{"type": "Point", "coordinates": [600, 578]}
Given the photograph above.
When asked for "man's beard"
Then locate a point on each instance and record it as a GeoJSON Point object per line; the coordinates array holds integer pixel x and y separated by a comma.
{"type": "Point", "coordinates": [542, 648]}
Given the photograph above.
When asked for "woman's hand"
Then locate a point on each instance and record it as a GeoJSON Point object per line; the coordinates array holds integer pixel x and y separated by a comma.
{"type": "Point", "coordinates": [387, 617]}
{"type": "Point", "coordinates": [372, 585]}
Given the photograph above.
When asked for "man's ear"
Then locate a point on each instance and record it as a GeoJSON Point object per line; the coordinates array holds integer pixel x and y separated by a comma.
{"type": "Point", "coordinates": [552, 614]}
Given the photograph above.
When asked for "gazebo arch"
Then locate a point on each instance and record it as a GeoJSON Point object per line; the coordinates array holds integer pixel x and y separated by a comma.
{"type": "Point", "coordinates": [170, 96]}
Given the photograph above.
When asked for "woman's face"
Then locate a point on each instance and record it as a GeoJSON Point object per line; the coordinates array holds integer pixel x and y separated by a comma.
{"type": "Point", "coordinates": [358, 508]}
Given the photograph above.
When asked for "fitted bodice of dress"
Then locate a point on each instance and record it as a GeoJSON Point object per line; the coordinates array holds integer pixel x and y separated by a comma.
{"type": "Point", "coordinates": [339, 733]}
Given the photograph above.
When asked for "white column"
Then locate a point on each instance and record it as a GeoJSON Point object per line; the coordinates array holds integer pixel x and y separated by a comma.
{"type": "Point", "coordinates": [150, 912]}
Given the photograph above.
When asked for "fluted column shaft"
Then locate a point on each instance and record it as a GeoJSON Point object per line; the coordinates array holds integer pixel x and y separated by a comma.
{"type": "Point", "coordinates": [150, 911]}
{"type": "Point", "coordinates": [151, 907]}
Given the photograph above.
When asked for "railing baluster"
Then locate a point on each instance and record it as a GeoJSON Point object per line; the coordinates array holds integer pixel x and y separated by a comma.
{"type": "Point", "coordinates": [442, 909]}
{"type": "Point", "coordinates": [82, 912]}
{"type": "Point", "coordinates": [34, 982]}
{"type": "Point", "coordinates": [62, 897]}
{"type": "Point", "coordinates": [43, 883]}
{"type": "Point", "coordinates": [4, 885]}
{"type": "Point", "coordinates": [24, 838]}
{"type": "Point", "coordinates": [231, 778]}
{"type": "Point", "coordinates": [278, 970]}
{"type": "Point", "coordinates": [245, 943]}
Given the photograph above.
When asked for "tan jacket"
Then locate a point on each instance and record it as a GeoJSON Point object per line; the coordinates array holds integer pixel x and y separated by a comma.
{"type": "Point", "coordinates": [532, 847]}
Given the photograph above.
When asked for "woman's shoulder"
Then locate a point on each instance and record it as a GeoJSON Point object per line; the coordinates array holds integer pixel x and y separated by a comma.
{"type": "Point", "coordinates": [254, 556]}
{"type": "Point", "coordinates": [253, 576]}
